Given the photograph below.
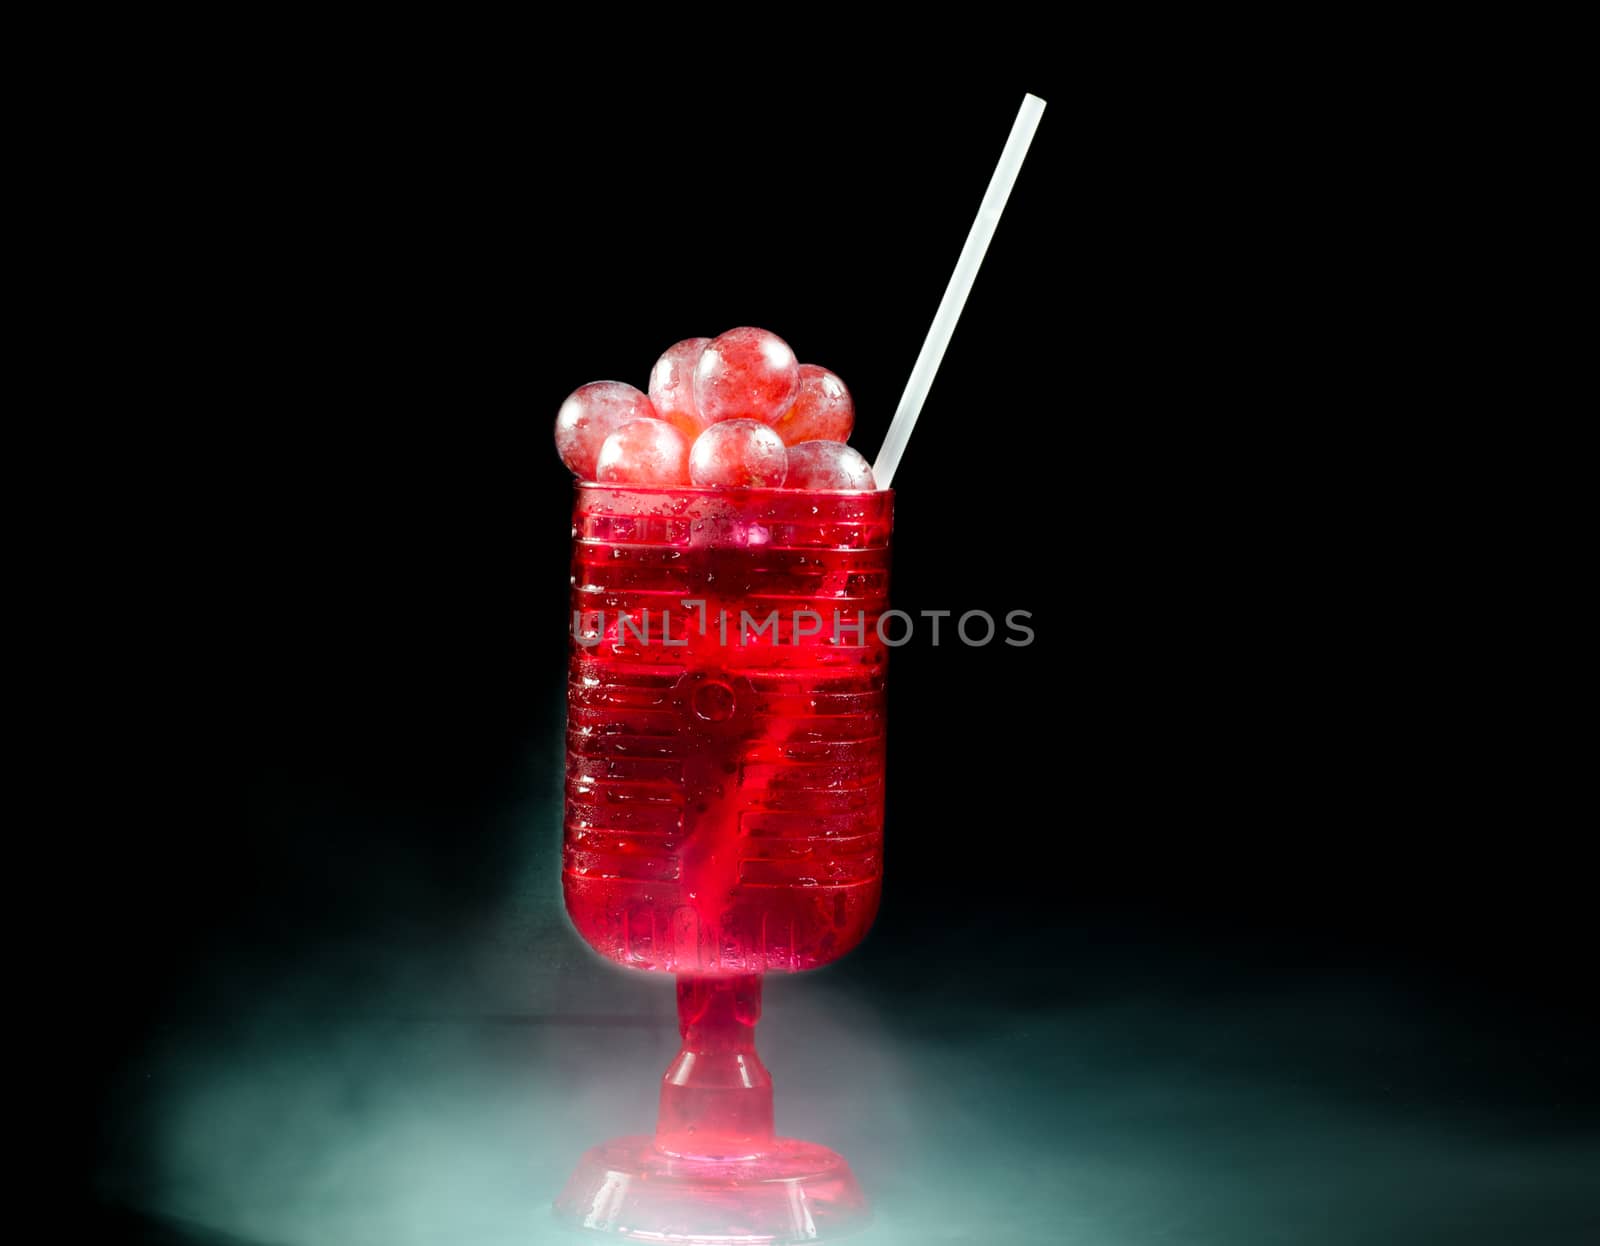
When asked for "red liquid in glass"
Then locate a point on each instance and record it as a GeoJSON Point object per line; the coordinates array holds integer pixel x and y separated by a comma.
{"type": "Point", "coordinates": [724, 819]}
{"type": "Point", "coordinates": [725, 772]}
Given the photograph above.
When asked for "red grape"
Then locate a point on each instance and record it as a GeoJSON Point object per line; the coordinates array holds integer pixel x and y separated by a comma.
{"type": "Point", "coordinates": [746, 374]}
{"type": "Point", "coordinates": [822, 412]}
{"type": "Point", "coordinates": [738, 452]}
{"type": "Point", "coordinates": [592, 413]}
{"type": "Point", "coordinates": [672, 386]}
{"type": "Point", "coordinates": [827, 465]}
{"type": "Point", "coordinates": [644, 452]}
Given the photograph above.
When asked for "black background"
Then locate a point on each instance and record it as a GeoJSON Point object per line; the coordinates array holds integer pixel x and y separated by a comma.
{"type": "Point", "coordinates": [1256, 739]}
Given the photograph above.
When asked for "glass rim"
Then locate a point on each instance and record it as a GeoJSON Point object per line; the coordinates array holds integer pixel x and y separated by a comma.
{"type": "Point", "coordinates": [727, 491]}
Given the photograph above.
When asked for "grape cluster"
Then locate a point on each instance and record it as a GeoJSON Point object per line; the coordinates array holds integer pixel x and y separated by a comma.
{"type": "Point", "coordinates": [733, 410]}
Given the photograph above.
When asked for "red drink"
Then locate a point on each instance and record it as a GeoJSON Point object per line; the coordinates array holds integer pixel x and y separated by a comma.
{"type": "Point", "coordinates": [724, 819]}
{"type": "Point", "coordinates": [725, 758]}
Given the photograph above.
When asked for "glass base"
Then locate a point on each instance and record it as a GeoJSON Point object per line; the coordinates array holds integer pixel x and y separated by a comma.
{"type": "Point", "coordinates": [793, 1192]}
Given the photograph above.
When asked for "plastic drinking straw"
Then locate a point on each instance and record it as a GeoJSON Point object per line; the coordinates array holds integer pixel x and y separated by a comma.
{"type": "Point", "coordinates": [955, 294]}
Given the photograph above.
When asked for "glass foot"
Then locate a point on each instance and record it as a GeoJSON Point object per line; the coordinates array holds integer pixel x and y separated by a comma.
{"type": "Point", "coordinates": [793, 1192]}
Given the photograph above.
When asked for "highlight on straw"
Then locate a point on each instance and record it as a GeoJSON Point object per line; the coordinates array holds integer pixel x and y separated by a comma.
{"type": "Point", "coordinates": [955, 294]}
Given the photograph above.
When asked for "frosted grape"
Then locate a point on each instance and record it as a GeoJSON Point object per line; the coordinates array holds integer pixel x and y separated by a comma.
{"type": "Point", "coordinates": [738, 452]}
{"type": "Point", "coordinates": [746, 374]}
{"type": "Point", "coordinates": [592, 413]}
{"type": "Point", "coordinates": [672, 386]}
{"type": "Point", "coordinates": [644, 452]}
{"type": "Point", "coordinates": [823, 411]}
{"type": "Point", "coordinates": [827, 465]}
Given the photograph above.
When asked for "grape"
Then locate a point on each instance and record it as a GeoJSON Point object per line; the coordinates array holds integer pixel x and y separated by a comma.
{"type": "Point", "coordinates": [827, 465]}
{"type": "Point", "coordinates": [672, 386]}
{"type": "Point", "coordinates": [644, 452]}
{"type": "Point", "coordinates": [738, 452]}
{"type": "Point", "coordinates": [592, 413]}
{"type": "Point", "coordinates": [746, 374]}
{"type": "Point", "coordinates": [822, 412]}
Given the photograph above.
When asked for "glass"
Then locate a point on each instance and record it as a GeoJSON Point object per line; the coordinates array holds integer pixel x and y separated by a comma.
{"type": "Point", "coordinates": [724, 819]}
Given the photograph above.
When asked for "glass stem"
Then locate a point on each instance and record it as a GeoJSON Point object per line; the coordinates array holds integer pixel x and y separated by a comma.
{"type": "Point", "coordinates": [716, 1098]}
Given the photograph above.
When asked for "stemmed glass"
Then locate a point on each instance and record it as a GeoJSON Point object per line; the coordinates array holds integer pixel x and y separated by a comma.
{"type": "Point", "coordinates": [724, 820]}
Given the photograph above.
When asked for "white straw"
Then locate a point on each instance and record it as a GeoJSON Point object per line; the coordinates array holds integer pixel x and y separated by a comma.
{"type": "Point", "coordinates": [955, 294]}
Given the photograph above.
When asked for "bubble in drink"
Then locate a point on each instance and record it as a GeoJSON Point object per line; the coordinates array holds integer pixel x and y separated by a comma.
{"type": "Point", "coordinates": [823, 411]}
{"type": "Point", "coordinates": [644, 452]}
{"type": "Point", "coordinates": [738, 452]}
{"type": "Point", "coordinates": [672, 386]}
{"type": "Point", "coordinates": [592, 413]}
{"type": "Point", "coordinates": [746, 374]}
{"type": "Point", "coordinates": [827, 465]}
